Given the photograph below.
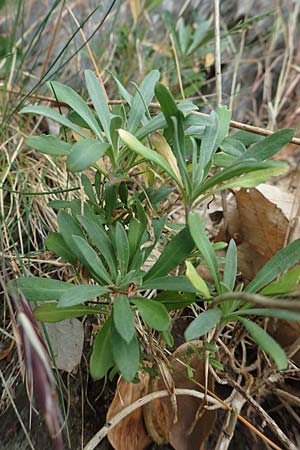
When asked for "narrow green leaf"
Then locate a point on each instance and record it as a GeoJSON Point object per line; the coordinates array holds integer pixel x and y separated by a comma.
{"type": "Point", "coordinates": [168, 105]}
{"type": "Point", "coordinates": [90, 259]}
{"type": "Point", "coordinates": [280, 262]}
{"type": "Point", "coordinates": [68, 227]}
{"type": "Point", "coordinates": [252, 179]}
{"type": "Point", "coordinates": [56, 244]}
{"type": "Point", "coordinates": [288, 282]}
{"type": "Point", "coordinates": [232, 146]}
{"type": "Point", "coordinates": [100, 240]}
{"type": "Point", "coordinates": [138, 105]}
{"type": "Point", "coordinates": [67, 95]}
{"type": "Point", "coordinates": [169, 283]}
{"type": "Point", "coordinates": [205, 322]}
{"type": "Point", "coordinates": [235, 170]}
{"type": "Point", "coordinates": [50, 313]}
{"type": "Point", "coordinates": [175, 300]}
{"type": "Point", "coordinates": [200, 33]}
{"type": "Point", "coordinates": [147, 153]}
{"type": "Point", "coordinates": [266, 343]}
{"type": "Point", "coordinates": [269, 146]}
{"type": "Point", "coordinates": [122, 247]}
{"type": "Point", "coordinates": [136, 230]}
{"type": "Point", "coordinates": [208, 145]}
{"type": "Point", "coordinates": [224, 117]}
{"type": "Point", "coordinates": [51, 114]}
{"type": "Point", "coordinates": [99, 100]}
{"type": "Point", "coordinates": [196, 280]}
{"type": "Point", "coordinates": [123, 318]}
{"type": "Point", "coordinates": [41, 289]}
{"type": "Point", "coordinates": [88, 189]}
{"type": "Point", "coordinates": [126, 356]}
{"type": "Point", "coordinates": [110, 197]}
{"type": "Point", "coordinates": [153, 313]}
{"type": "Point", "coordinates": [174, 254]}
{"type": "Point", "coordinates": [84, 153]}
{"type": "Point", "coordinates": [49, 145]}
{"type": "Point", "coordinates": [230, 267]}
{"type": "Point", "coordinates": [80, 294]}
{"type": "Point", "coordinates": [101, 358]}
{"type": "Point", "coordinates": [197, 230]}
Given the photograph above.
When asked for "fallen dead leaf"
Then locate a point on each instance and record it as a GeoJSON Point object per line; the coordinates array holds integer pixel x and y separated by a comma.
{"type": "Point", "coordinates": [189, 433]}
{"type": "Point", "coordinates": [258, 220]}
{"type": "Point", "coordinates": [130, 434]}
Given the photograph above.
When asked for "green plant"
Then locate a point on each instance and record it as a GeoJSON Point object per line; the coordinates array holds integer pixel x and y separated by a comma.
{"type": "Point", "coordinates": [112, 234]}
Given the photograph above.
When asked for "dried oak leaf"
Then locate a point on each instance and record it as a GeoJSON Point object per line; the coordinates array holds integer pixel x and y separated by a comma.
{"type": "Point", "coordinates": [257, 225]}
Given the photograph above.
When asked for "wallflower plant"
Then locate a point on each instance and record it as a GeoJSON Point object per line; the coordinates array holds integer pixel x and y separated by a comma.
{"type": "Point", "coordinates": [134, 161]}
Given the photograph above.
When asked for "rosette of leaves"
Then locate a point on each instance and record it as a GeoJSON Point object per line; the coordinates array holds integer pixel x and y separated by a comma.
{"type": "Point", "coordinates": [113, 253]}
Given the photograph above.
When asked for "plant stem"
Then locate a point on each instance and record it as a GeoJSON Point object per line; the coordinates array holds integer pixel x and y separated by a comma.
{"type": "Point", "coordinates": [218, 53]}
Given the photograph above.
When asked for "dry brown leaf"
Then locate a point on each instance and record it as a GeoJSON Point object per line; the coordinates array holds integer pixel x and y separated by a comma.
{"type": "Point", "coordinates": [258, 220]}
{"type": "Point", "coordinates": [257, 225]}
{"type": "Point", "coordinates": [130, 433]}
{"type": "Point", "coordinates": [263, 224]}
{"type": "Point", "coordinates": [185, 434]}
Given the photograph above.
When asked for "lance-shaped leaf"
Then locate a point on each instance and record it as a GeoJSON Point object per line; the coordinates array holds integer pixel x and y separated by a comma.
{"type": "Point", "coordinates": [49, 145]}
{"type": "Point", "coordinates": [126, 356]}
{"type": "Point", "coordinates": [56, 244]}
{"type": "Point", "coordinates": [41, 289]}
{"type": "Point", "coordinates": [153, 313]}
{"type": "Point", "coordinates": [99, 100]}
{"type": "Point", "coordinates": [269, 146]}
{"type": "Point", "coordinates": [90, 259]}
{"type": "Point", "coordinates": [84, 153]}
{"type": "Point", "coordinates": [197, 230]}
{"type": "Point", "coordinates": [67, 95]}
{"type": "Point", "coordinates": [205, 322]}
{"type": "Point", "coordinates": [51, 114]}
{"type": "Point", "coordinates": [80, 294]}
{"type": "Point", "coordinates": [230, 267]}
{"type": "Point", "coordinates": [101, 358]}
{"type": "Point", "coordinates": [280, 262]}
{"type": "Point", "coordinates": [141, 100]}
{"type": "Point", "coordinates": [123, 318]}
{"type": "Point", "coordinates": [196, 280]}
{"type": "Point", "coordinates": [175, 252]}
{"type": "Point", "coordinates": [50, 313]}
{"type": "Point", "coordinates": [266, 342]}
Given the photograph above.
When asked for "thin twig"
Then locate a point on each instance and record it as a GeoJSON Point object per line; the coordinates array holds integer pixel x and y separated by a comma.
{"type": "Point", "coordinates": [291, 305]}
{"type": "Point", "coordinates": [233, 123]}
{"type": "Point", "coordinates": [266, 417]}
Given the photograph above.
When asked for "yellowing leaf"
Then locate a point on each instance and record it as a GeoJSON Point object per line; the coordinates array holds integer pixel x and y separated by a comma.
{"type": "Point", "coordinates": [162, 147]}
{"type": "Point", "coordinates": [196, 280]}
